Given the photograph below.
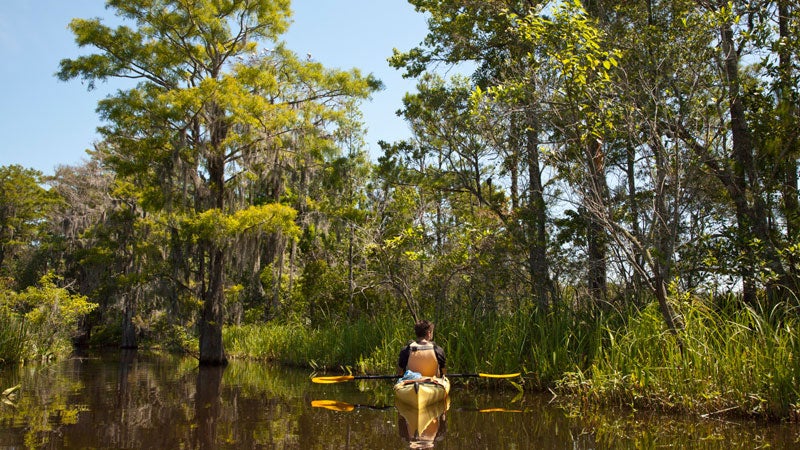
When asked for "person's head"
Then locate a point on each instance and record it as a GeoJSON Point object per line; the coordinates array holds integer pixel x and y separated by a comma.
{"type": "Point", "coordinates": [423, 328]}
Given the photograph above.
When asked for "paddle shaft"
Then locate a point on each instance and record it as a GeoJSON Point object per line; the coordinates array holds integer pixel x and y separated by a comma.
{"type": "Point", "coordinates": [374, 377]}
{"type": "Point", "coordinates": [343, 378]}
{"type": "Point", "coordinates": [449, 375]}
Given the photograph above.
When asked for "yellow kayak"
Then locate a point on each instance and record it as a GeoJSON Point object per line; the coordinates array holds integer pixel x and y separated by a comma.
{"type": "Point", "coordinates": [420, 393]}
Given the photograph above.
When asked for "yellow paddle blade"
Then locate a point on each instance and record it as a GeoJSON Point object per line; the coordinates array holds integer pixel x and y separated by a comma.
{"type": "Point", "coordinates": [331, 380]}
{"type": "Point", "coordinates": [499, 375]}
{"type": "Point", "coordinates": [333, 405]}
{"type": "Point", "coordinates": [490, 410]}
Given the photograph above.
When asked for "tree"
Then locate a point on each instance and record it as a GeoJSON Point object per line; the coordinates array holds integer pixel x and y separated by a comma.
{"type": "Point", "coordinates": [482, 35]}
{"type": "Point", "coordinates": [24, 206]}
{"type": "Point", "coordinates": [210, 115]}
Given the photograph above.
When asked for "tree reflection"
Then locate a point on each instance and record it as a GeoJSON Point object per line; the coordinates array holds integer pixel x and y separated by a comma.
{"type": "Point", "coordinates": [207, 405]}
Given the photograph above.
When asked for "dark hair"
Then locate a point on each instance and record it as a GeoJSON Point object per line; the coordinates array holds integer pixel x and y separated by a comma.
{"type": "Point", "coordinates": [422, 328]}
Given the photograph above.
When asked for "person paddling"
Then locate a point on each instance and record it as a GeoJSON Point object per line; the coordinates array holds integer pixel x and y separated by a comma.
{"type": "Point", "coordinates": [422, 358]}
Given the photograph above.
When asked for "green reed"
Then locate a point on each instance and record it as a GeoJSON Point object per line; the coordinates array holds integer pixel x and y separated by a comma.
{"type": "Point", "coordinates": [12, 338]}
{"type": "Point", "coordinates": [735, 360]}
{"type": "Point", "coordinates": [738, 361]}
{"type": "Point", "coordinates": [542, 345]}
{"type": "Point", "coordinates": [362, 346]}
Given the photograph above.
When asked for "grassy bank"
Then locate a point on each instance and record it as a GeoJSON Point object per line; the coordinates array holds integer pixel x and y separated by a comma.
{"type": "Point", "coordinates": [740, 362]}
{"type": "Point", "coordinates": [736, 361]}
{"type": "Point", "coordinates": [362, 346]}
{"type": "Point", "coordinates": [544, 346]}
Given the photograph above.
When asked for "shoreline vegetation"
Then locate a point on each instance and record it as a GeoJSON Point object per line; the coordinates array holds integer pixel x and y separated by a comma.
{"type": "Point", "coordinates": [734, 362]}
{"type": "Point", "coordinates": [728, 360]}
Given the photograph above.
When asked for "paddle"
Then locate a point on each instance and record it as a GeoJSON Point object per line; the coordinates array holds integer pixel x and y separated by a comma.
{"type": "Point", "coordinates": [335, 405]}
{"type": "Point", "coordinates": [343, 378]}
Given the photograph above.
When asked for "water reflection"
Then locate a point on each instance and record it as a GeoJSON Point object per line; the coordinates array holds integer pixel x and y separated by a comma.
{"type": "Point", "coordinates": [142, 400]}
{"type": "Point", "coordinates": [207, 405]}
{"type": "Point", "coordinates": [421, 427]}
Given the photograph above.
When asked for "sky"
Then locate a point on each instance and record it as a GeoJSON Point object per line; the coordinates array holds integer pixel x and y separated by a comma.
{"type": "Point", "coordinates": [46, 122]}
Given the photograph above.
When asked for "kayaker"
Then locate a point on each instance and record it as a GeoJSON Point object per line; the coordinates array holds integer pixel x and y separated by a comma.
{"type": "Point", "coordinates": [422, 356]}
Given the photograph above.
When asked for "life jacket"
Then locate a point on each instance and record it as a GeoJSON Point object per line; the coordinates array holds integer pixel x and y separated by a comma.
{"type": "Point", "coordinates": [422, 359]}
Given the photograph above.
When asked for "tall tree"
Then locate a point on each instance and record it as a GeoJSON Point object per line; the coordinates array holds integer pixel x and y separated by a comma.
{"type": "Point", "coordinates": [481, 35]}
{"type": "Point", "coordinates": [209, 111]}
{"type": "Point", "coordinates": [24, 207]}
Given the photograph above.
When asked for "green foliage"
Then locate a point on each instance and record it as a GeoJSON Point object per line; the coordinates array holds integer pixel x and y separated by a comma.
{"type": "Point", "coordinates": [46, 318]}
{"type": "Point", "coordinates": [24, 206]}
{"type": "Point", "coordinates": [323, 294]}
{"type": "Point", "coordinates": [214, 226]}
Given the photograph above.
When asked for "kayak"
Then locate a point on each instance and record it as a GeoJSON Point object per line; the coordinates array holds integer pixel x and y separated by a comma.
{"type": "Point", "coordinates": [420, 393]}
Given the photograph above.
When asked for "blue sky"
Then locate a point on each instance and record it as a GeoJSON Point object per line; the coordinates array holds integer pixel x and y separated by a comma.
{"type": "Point", "coordinates": [45, 122]}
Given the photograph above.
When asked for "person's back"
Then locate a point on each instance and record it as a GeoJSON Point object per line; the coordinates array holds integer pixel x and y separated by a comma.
{"type": "Point", "coordinates": [422, 359]}
{"type": "Point", "coordinates": [422, 356]}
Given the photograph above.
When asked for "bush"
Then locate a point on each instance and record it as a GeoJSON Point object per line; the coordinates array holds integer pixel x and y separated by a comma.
{"type": "Point", "coordinates": [44, 318]}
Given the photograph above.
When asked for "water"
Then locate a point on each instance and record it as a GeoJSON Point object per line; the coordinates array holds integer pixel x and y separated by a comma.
{"type": "Point", "coordinates": [141, 400]}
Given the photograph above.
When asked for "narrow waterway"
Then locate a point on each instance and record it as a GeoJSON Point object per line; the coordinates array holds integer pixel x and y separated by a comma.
{"type": "Point", "coordinates": [139, 400]}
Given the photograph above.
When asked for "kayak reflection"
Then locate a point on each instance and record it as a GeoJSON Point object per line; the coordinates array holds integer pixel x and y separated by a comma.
{"type": "Point", "coordinates": [421, 427]}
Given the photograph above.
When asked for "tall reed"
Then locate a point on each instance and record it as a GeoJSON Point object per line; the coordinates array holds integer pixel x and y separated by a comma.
{"type": "Point", "coordinates": [733, 361]}
{"type": "Point", "coordinates": [364, 345]}
{"type": "Point", "coordinates": [542, 344]}
{"type": "Point", "coordinates": [12, 338]}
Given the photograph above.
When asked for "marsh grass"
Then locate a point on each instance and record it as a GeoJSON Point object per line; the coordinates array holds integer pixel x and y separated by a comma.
{"type": "Point", "coordinates": [541, 344]}
{"type": "Point", "coordinates": [734, 362]}
{"type": "Point", "coordinates": [12, 338]}
{"type": "Point", "coordinates": [362, 346]}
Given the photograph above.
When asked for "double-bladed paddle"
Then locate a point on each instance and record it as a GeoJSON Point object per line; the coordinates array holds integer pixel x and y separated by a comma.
{"type": "Point", "coordinates": [336, 405]}
{"type": "Point", "coordinates": [343, 378]}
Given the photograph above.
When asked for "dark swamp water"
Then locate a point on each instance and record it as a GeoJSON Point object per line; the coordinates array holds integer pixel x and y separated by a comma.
{"type": "Point", "coordinates": [142, 400]}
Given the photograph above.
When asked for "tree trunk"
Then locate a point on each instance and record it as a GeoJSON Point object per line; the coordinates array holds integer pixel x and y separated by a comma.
{"type": "Point", "coordinates": [752, 219]}
{"type": "Point", "coordinates": [212, 351]}
{"type": "Point", "coordinates": [633, 206]}
{"type": "Point", "coordinates": [541, 283]}
{"type": "Point", "coordinates": [595, 232]}
{"type": "Point", "coordinates": [130, 301]}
